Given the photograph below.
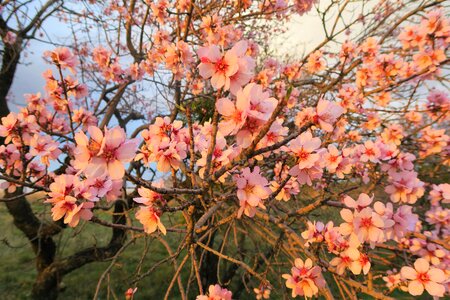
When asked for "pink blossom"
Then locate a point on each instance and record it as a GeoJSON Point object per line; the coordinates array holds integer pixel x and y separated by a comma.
{"type": "Point", "coordinates": [303, 6]}
{"type": "Point", "coordinates": [103, 154]}
{"type": "Point", "coordinates": [99, 187]}
{"type": "Point", "coordinates": [332, 158]}
{"type": "Point", "coordinates": [229, 71]}
{"type": "Point", "coordinates": [289, 189]}
{"type": "Point", "coordinates": [439, 217]}
{"type": "Point", "coordinates": [65, 204]}
{"type": "Point", "coordinates": [392, 279]}
{"type": "Point", "coordinates": [129, 294]}
{"type": "Point", "coordinates": [216, 292]}
{"type": "Point", "coordinates": [404, 187]}
{"type": "Point", "coordinates": [101, 56]}
{"type": "Point", "coordinates": [438, 100]}
{"type": "Point", "coordinates": [393, 134]}
{"type": "Point", "coordinates": [401, 162]}
{"type": "Point", "coordinates": [326, 114]}
{"type": "Point", "coordinates": [314, 233]}
{"type": "Point", "coordinates": [304, 280]}
{"type": "Point", "coordinates": [397, 223]}
{"type": "Point", "coordinates": [316, 63]}
{"type": "Point", "coordinates": [368, 225]}
{"type": "Point", "coordinates": [433, 253]}
{"type": "Point", "coordinates": [422, 277]}
{"type": "Point", "coordinates": [44, 147]}
{"type": "Point", "coordinates": [440, 194]}
{"type": "Point", "coordinates": [307, 175]}
{"type": "Point", "coordinates": [363, 201]}
{"type": "Point", "coordinates": [259, 109]}
{"type": "Point", "coordinates": [13, 124]}
{"type": "Point", "coordinates": [63, 57]}
{"type": "Point", "coordinates": [149, 217]}
{"type": "Point", "coordinates": [263, 291]}
{"type": "Point", "coordinates": [370, 152]}
{"type": "Point", "coordinates": [165, 143]}
{"type": "Point", "coordinates": [252, 189]}
{"type": "Point", "coordinates": [304, 148]}
{"type": "Point", "coordinates": [349, 257]}
{"type": "Point", "coordinates": [261, 104]}
{"type": "Point", "coordinates": [275, 134]}
{"type": "Point", "coordinates": [234, 115]}
{"type": "Point", "coordinates": [433, 141]}
{"type": "Point", "coordinates": [169, 155]}
{"type": "Point", "coordinates": [148, 197]}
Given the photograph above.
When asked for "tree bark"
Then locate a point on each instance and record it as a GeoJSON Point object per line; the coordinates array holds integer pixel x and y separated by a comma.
{"type": "Point", "coordinates": [46, 284]}
{"type": "Point", "coordinates": [10, 60]}
{"type": "Point", "coordinates": [39, 235]}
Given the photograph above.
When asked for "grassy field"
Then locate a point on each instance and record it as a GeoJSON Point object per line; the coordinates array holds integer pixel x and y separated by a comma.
{"type": "Point", "coordinates": [17, 270]}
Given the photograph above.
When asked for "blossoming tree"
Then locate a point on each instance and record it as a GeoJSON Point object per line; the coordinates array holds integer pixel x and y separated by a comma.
{"type": "Point", "coordinates": [323, 174]}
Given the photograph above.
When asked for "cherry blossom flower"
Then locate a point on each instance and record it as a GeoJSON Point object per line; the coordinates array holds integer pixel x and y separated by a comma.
{"type": "Point", "coordinates": [397, 223]}
{"type": "Point", "coordinates": [216, 292]}
{"type": "Point", "coordinates": [370, 152]}
{"type": "Point", "coordinates": [327, 114]}
{"type": "Point", "coordinates": [252, 189]}
{"type": "Point", "coordinates": [234, 115]}
{"type": "Point", "coordinates": [423, 277]}
{"type": "Point", "coordinates": [65, 204]}
{"type": "Point", "coordinates": [439, 217]}
{"type": "Point", "coordinates": [349, 257]}
{"type": "Point", "coordinates": [149, 197]}
{"type": "Point", "coordinates": [44, 147]}
{"type": "Point", "coordinates": [404, 187]}
{"type": "Point", "coordinates": [149, 216]}
{"type": "Point", "coordinates": [304, 280]}
{"type": "Point", "coordinates": [290, 189]}
{"type": "Point", "coordinates": [392, 279]}
{"type": "Point", "coordinates": [314, 233]}
{"type": "Point", "coordinates": [304, 148]}
{"type": "Point", "coordinates": [440, 194]}
{"type": "Point", "coordinates": [316, 63]}
{"type": "Point", "coordinates": [263, 291]}
{"type": "Point", "coordinates": [433, 141]}
{"type": "Point", "coordinates": [363, 201]}
{"type": "Point", "coordinates": [222, 67]}
{"type": "Point", "coordinates": [165, 143]}
{"type": "Point", "coordinates": [103, 154]}
{"type": "Point", "coordinates": [63, 57]}
{"type": "Point", "coordinates": [332, 158]}
{"type": "Point", "coordinates": [98, 187]}
{"type": "Point", "coordinates": [433, 253]}
{"type": "Point", "coordinates": [303, 6]}
{"type": "Point", "coordinates": [368, 226]}
{"type": "Point", "coordinates": [13, 124]}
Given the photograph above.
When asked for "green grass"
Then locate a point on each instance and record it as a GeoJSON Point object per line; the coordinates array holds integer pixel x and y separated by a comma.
{"type": "Point", "coordinates": [17, 270]}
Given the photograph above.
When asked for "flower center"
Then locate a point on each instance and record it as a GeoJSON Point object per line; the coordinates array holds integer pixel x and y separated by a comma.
{"type": "Point", "coordinates": [221, 66]}
{"type": "Point", "coordinates": [366, 222]}
{"type": "Point", "coordinates": [423, 277]}
{"type": "Point", "coordinates": [303, 155]}
{"type": "Point", "coordinates": [109, 154]}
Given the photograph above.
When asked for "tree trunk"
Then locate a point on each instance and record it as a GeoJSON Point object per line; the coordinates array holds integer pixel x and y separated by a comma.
{"type": "Point", "coordinates": [48, 279]}
{"type": "Point", "coordinates": [10, 60]}
{"type": "Point", "coordinates": [40, 237]}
